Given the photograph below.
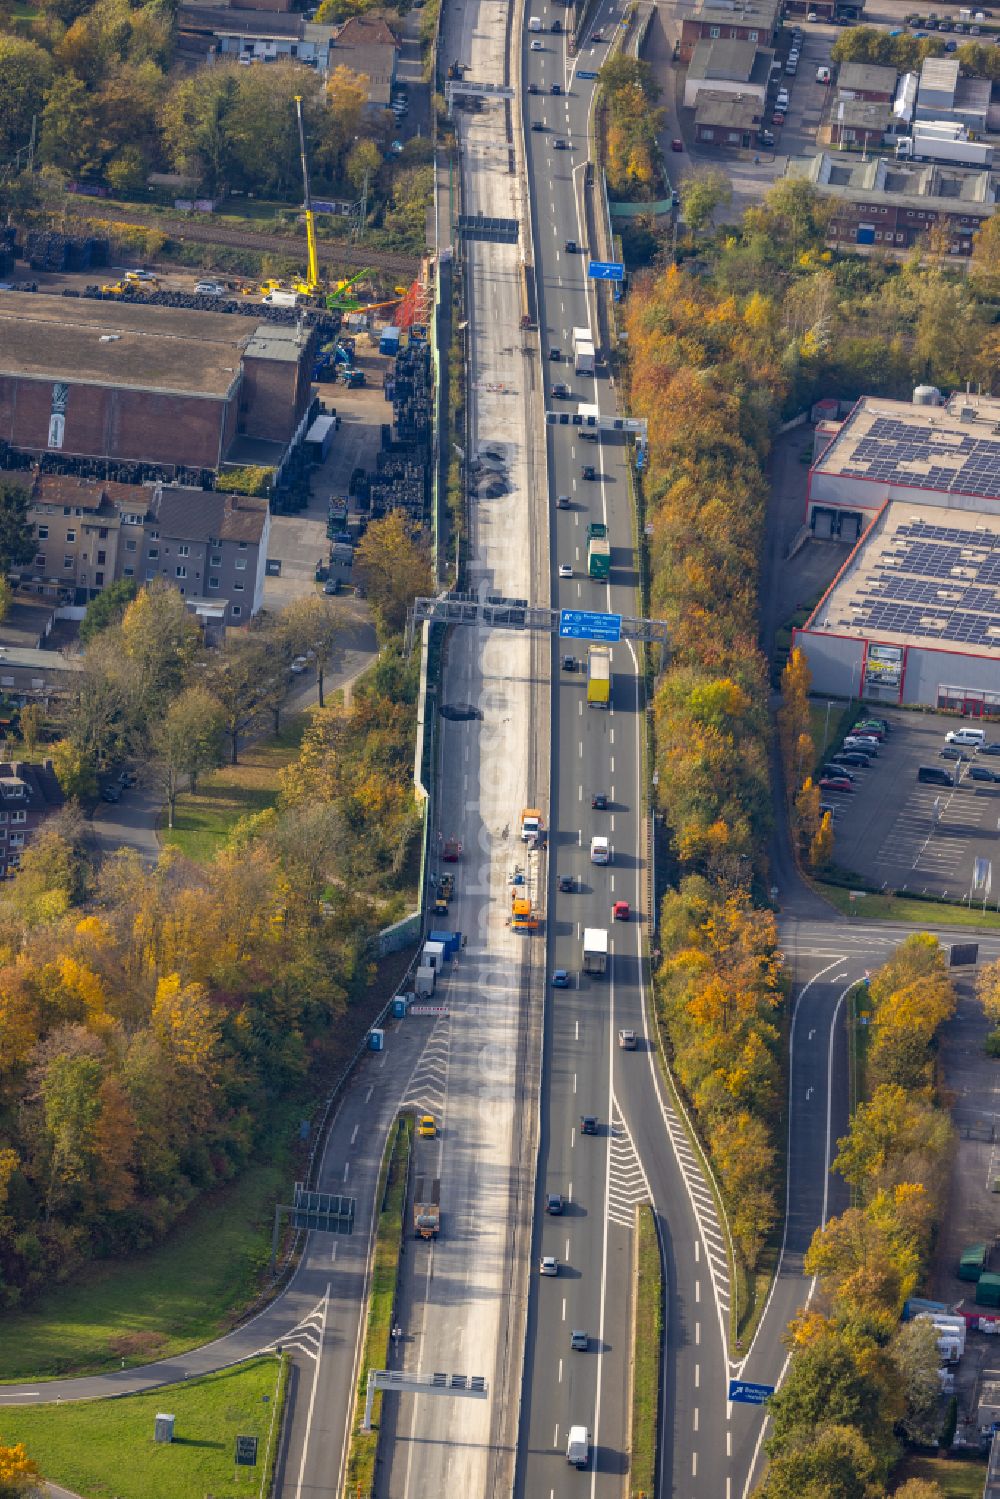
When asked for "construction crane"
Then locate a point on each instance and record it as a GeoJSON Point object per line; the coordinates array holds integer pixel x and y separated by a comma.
{"type": "Point", "coordinates": [308, 287]}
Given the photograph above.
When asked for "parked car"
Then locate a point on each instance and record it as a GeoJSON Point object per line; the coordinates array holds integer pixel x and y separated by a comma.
{"type": "Point", "coordinates": [859, 742]}
{"type": "Point", "coordinates": [111, 793]}
{"type": "Point", "coordinates": [782, 100]}
{"type": "Point", "coordinates": [209, 289]}
{"type": "Point", "coordinates": [778, 118]}
{"type": "Point", "coordinates": [839, 770]}
{"type": "Point", "coordinates": [676, 144]}
{"type": "Point", "coordinates": [952, 752]}
{"type": "Point", "coordinates": [852, 757]}
{"type": "Point", "coordinates": [989, 749]}
{"type": "Point", "coordinates": [982, 773]}
{"type": "Point", "coordinates": [834, 783]}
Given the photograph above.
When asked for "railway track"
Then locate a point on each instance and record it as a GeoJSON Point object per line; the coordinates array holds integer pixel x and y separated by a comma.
{"type": "Point", "coordinates": [338, 256]}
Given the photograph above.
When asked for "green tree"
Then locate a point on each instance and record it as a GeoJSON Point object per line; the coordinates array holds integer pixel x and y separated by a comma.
{"type": "Point", "coordinates": [6, 599]}
{"type": "Point", "coordinates": [245, 680]}
{"type": "Point", "coordinates": [185, 740]}
{"type": "Point", "coordinates": [29, 723]}
{"type": "Point", "coordinates": [17, 535]}
{"type": "Point", "coordinates": [69, 1089]}
{"type": "Point", "coordinates": [830, 1462]}
{"type": "Point", "coordinates": [53, 871]}
{"type": "Point", "coordinates": [702, 192]}
{"type": "Point", "coordinates": [364, 157]}
{"type": "Point", "coordinates": [827, 1384]}
{"type": "Point", "coordinates": [25, 72]}
{"type": "Point", "coordinates": [160, 638]}
{"type": "Point", "coordinates": [126, 174]}
{"type": "Point", "coordinates": [69, 128]}
{"type": "Point", "coordinates": [195, 124]}
{"type": "Point", "coordinates": [914, 1354]}
{"type": "Point", "coordinates": [107, 608]}
{"type": "Point", "coordinates": [315, 626]}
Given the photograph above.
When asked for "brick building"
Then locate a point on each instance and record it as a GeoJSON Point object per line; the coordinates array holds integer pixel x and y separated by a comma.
{"type": "Point", "coordinates": [368, 46]}
{"type": "Point", "coordinates": [735, 68]}
{"type": "Point", "coordinates": [729, 121]}
{"type": "Point", "coordinates": [28, 795]}
{"type": "Point", "coordinates": [729, 20]}
{"type": "Point", "coordinates": [131, 382]}
{"type": "Point", "coordinates": [894, 205]}
{"type": "Point", "coordinates": [867, 80]}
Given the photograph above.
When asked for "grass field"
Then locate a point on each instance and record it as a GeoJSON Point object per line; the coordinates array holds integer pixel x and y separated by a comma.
{"type": "Point", "coordinates": [156, 1304]}
{"type": "Point", "coordinates": [957, 1480]}
{"type": "Point", "coordinates": [105, 1449]}
{"type": "Point", "coordinates": [926, 913]}
{"type": "Point", "coordinates": [388, 1237]}
{"type": "Point", "coordinates": [204, 819]}
{"type": "Point", "coordinates": [647, 1326]}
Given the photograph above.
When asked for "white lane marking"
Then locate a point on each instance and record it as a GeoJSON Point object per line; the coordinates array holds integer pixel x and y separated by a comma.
{"type": "Point", "coordinates": [569, 1193]}
{"type": "Point", "coordinates": [574, 1082]}
{"type": "Point", "coordinates": [696, 1418]}
{"type": "Point", "coordinates": [612, 764]}
{"type": "Point", "coordinates": [333, 1252]}
{"type": "Point", "coordinates": [697, 1290]}
{"type": "Point", "coordinates": [347, 1167]}
{"type": "Point", "coordinates": [697, 1333]}
{"type": "Point", "coordinates": [312, 1394]}
{"type": "Point", "coordinates": [354, 1133]}
{"type": "Point", "coordinates": [577, 1027]}
{"type": "Point", "coordinates": [560, 1371]}
{"type": "Point", "coordinates": [697, 1376]}
{"type": "Point", "coordinates": [564, 1309]}
{"type": "Point", "coordinates": [572, 1137]}
{"type": "Point", "coordinates": [368, 1095]}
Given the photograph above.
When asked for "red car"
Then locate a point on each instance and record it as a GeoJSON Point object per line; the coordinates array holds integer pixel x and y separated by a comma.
{"type": "Point", "coordinates": [835, 783]}
{"type": "Point", "coordinates": [676, 145]}
{"type": "Point", "coordinates": [778, 118]}
{"type": "Point", "coordinates": [620, 911]}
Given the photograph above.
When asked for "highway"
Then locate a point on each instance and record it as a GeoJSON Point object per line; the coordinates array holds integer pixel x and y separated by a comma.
{"type": "Point", "coordinates": [632, 1159]}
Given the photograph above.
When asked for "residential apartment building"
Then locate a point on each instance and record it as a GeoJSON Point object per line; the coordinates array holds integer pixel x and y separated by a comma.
{"type": "Point", "coordinates": [894, 205]}
{"type": "Point", "coordinates": [28, 795]}
{"type": "Point", "coordinates": [209, 545]}
{"type": "Point", "coordinates": [729, 20]}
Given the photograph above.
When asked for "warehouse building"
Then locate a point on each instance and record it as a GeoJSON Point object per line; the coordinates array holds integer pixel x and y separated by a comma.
{"type": "Point", "coordinates": [133, 383]}
{"type": "Point", "coordinates": [946, 455]}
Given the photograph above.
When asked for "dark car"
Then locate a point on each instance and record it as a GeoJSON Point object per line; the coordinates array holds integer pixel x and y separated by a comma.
{"type": "Point", "coordinates": [562, 392]}
{"type": "Point", "coordinates": [567, 883]}
{"type": "Point", "coordinates": [853, 757]}
{"type": "Point", "coordinates": [537, 125]}
{"type": "Point", "coordinates": [840, 770]}
{"type": "Point", "coordinates": [553, 1203]}
{"type": "Point", "coordinates": [834, 783]}
{"type": "Point", "coordinates": [989, 749]}
{"type": "Point", "coordinates": [599, 801]}
{"type": "Point", "coordinates": [555, 355]}
{"type": "Point", "coordinates": [556, 88]}
{"type": "Point", "coordinates": [571, 247]}
{"type": "Point", "coordinates": [981, 773]}
{"type": "Point", "coordinates": [532, 88]}
{"type": "Point", "coordinates": [952, 752]}
{"type": "Point", "coordinates": [111, 793]}
{"type": "Point", "coordinates": [588, 1124]}
{"type": "Point", "coordinates": [560, 979]}
{"type": "Point", "coordinates": [559, 145]}
{"type": "Point", "coordinates": [588, 471]}
{"type": "Point", "coordinates": [569, 663]}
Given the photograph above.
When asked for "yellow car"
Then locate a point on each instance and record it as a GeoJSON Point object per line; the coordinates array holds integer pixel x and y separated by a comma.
{"type": "Point", "coordinates": [426, 1128]}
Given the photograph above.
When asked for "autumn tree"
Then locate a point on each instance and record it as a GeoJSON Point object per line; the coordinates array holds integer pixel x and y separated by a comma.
{"type": "Point", "coordinates": [314, 626]}
{"type": "Point", "coordinates": [30, 721]}
{"type": "Point", "coordinates": [395, 569]}
{"type": "Point", "coordinates": [702, 193]}
{"type": "Point", "coordinates": [107, 608]}
{"type": "Point", "coordinates": [25, 73]}
{"type": "Point", "coordinates": [831, 1461]}
{"type": "Point", "coordinates": [821, 844]}
{"type": "Point", "coordinates": [185, 741]}
{"type": "Point", "coordinates": [20, 1475]}
{"type": "Point", "coordinates": [74, 771]}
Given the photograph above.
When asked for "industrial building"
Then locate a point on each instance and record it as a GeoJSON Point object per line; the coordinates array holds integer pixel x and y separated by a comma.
{"type": "Point", "coordinates": [913, 617]}
{"type": "Point", "coordinates": [133, 383]}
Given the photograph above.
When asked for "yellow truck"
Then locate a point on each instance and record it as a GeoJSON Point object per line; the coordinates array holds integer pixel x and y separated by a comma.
{"type": "Point", "coordinates": [532, 826]}
{"type": "Point", "coordinates": [598, 676]}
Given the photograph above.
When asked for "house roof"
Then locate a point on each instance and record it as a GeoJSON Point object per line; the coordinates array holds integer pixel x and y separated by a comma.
{"type": "Point", "coordinates": [89, 494]}
{"type": "Point", "coordinates": [940, 74]}
{"type": "Point", "coordinates": [731, 60]}
{"type": "Point", "coordinates": [760, 15]}
{"type": "Point", "coordinates": [972, 96]}
{"type": "Point", "coordinates": [365, 31]}
{"type": "Point", "coordinates": [871, 114]}
{"type": "Point", "coordinates": [198, 514]}
{"type": "Point", "coordinates": [899, 184]}
{"type": "Point", "coordinates": [738, 111]}
{"type": "Point", "coordinates": [30, 786]}
{"type": "Point", "coordinates": [866, 78]}
{"type": "Point", "coordinates": [224, 22]}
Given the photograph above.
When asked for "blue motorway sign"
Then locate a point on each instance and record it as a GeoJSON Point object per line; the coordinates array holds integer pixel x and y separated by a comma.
{"type": "Point", "coordinates": [744, 1393]}
{"type": "Point", "coordinates": [581, 624]}
{"type": "Point", "coordinates": [605, 270]}
{"type": "Point", "coordinates": [580, 73]}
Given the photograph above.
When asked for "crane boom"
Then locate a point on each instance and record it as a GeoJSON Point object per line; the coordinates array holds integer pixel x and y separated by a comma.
{"type": "Point", "coordinates": [312, 275]}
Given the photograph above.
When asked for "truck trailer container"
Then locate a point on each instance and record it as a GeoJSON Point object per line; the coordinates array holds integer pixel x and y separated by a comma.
{"type": "Point", "coordinates": [599, 558]}
{"type": "Point", "coordinates": [426, 1209]}
{"type": "Point", "coordinates": [945, 141]}
{"type": "Point", "coordinates": [598, 676]}
{"type": "Point", "coordinates": [583, 357]}
{"type": "Point", "coordinates": [595, 950]}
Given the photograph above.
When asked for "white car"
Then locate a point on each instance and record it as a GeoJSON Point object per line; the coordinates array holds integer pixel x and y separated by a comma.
{"type": "Point", "coordinates": [549, 1265]}
{"type": "Point", "coordinates": [536, 46]}
{"type": "Point", "coordinates": [141, 275]}
{"type": "Point", "coordinates": [210, 289]}
{"type": "Point", "coordinates": [782, 100]}
{"type": "Point", "coordinates": [565, 571]}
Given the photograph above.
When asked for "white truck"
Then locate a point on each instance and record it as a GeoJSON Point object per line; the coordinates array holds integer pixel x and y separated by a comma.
{"type": "Point", "coordinates": [945, 141]}
{"type": "Point", "coordinates": [583, 351]}
{"type": "Point", "coordinates": [578, 1446]}
{"type": "Point", "coordinates": [282, 299]}
{"type": "Point", "coordinates": [595, 950]}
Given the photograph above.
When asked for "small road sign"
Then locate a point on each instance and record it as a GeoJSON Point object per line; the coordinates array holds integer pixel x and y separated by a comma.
{"type": "Point", "coordinates": [585, 73]}
{"type": "Point", "coordinates": [605, 270]}
{"type": "Point", "coordinates": [741, 1392]}
{"type": "Point", "coordinates": [246, 1452]}
{"type": "Point", "coordinates": [581, 624]}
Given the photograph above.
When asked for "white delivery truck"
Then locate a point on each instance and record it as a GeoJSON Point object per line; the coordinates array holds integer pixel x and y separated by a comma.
{"type": "Point", "coordinates": [600, 851]}
{"type": "Point", "coordinates": [945, 141]}
{"type": "Point", "coordinates": [595, 950]}
{"type": "Point", "coordinates": [583, 351]}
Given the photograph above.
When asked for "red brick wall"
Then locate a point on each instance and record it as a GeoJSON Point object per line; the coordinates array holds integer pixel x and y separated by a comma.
{"type": "Point", "coordinates": [275, 393]}
{"type": "Point", "coordinates": [104, 422]}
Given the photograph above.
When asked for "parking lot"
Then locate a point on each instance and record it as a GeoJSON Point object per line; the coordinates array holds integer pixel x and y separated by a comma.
{"type": "Point", "coordinates": [897, 833]}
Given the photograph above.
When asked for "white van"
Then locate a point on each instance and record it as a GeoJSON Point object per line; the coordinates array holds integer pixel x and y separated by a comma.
{"type": "Point", "coordinates": [534, 24]}
{"type": "Point", "coordinates": [600, 851]}
{"type": "Point", "coordinates": [972, 737]}
{"type": "Point", "coordinates": [578, 1446]}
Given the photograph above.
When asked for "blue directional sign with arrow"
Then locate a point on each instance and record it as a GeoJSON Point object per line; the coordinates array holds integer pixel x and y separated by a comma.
{"type": "Point", "coordinates": [580, 73]}
{"type": "Point", "coordinates": [605, 270]}
{"type": "Point", "coordinates": [741, 1392]}
{"type": "Point", "coordinates": [581, 624]}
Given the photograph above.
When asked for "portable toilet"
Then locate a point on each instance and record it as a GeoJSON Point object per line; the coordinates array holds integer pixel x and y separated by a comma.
{"type": "Point", "coordinates": [399, 1007]}
{"type": "Point", "coordinates": [972, 1261]}
{"type": "Point", "coordinates": [376, 1039]}
{"type": "Point", "coordinates": [434, 955]}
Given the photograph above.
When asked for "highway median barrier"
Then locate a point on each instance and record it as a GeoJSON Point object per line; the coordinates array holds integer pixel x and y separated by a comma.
{"type": "Point", "coordinates": [391, 1198]}
{"type": "Point", "coordinates": [647, 1353]}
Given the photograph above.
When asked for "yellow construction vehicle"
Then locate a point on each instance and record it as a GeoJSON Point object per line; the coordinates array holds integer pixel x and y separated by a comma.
{"type": "Point", "coordinates": [309, 285]}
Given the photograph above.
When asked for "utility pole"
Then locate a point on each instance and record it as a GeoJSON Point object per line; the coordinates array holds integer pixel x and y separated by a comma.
{"type": "Point", "coordinates": [361, 221]}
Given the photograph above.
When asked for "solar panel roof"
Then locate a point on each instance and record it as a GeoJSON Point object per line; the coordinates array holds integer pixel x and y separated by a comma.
{"type": "Point", "coordinates": [898, 452]}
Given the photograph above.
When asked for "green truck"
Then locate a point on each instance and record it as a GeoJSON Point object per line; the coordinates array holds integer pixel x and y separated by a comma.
{"type": "Point", "coordinates": [598, 552]}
